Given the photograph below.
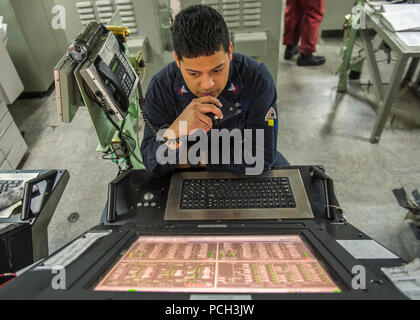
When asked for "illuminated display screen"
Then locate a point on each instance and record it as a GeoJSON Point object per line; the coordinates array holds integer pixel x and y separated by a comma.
{"type": "Point", "coordinates": [114, 66]}
{"type": "Point", "coordinates": [218, 264]}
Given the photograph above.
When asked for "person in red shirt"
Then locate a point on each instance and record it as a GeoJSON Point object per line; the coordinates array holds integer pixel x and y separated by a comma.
{"type": "Point", "coordinates": [302, 22]}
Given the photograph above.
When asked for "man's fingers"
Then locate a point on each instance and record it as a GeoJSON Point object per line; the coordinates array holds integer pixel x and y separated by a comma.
{"type": "Point", "coordinates": [205, 108]}
{"type": "Point", "coordinates": [201, 126]}
{"type": "Point", "coordinates": [206, 120]}
{"type": "Point", "coordinates": [209, 99]}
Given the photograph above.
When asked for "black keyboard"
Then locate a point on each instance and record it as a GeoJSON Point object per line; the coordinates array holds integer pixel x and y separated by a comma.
{"type": "Point", "coordinates": [248, 193]}
{"type": "Point", "coordinates": [6, 185]}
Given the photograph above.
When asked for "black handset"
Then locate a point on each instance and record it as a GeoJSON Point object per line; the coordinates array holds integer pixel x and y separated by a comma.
{"type": "Point", "coordinates": [228, 110]}
{"type": "Point", "coordinates": [117, 90]}
{"type": "Point", "coordinates": [215, 119]}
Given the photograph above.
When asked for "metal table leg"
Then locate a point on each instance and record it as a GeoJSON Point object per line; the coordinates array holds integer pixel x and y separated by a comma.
{"type": "Point", "coordinates": [390, 95]}
{"type": "Point", "coordinates": [411, 70]}
{"type": "Point", "coordinates": [384, 99]}
{"type": "Point", "coordinates": [373, 67]}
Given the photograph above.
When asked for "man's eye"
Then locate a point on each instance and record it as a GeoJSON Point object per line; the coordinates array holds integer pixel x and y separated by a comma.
{"type": "Point", "coordinates": [193, 74]}
{"type": "Point", "coordinates": [217, 71]}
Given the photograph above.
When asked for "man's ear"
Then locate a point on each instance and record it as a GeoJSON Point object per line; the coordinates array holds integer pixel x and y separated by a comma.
{"type": "Point", "coordinates": [230, 51]}
{"type": "Point", "coordinates": [178, 63]}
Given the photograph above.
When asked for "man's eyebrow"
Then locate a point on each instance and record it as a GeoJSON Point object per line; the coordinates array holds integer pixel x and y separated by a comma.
{"type": "Point", "coordinates": [220, 65]}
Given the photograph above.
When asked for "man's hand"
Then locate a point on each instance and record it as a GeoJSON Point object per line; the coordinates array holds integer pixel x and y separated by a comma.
{"type": "Point", "coordinates": [195, 116]}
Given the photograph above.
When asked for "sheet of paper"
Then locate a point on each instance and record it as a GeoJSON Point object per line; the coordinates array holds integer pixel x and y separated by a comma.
{"type": "Point", "coordinates": [65, 257]}
{"type": "Point", "coordinates": [402, 17]}
{"type": "Point", "coordinates": [366, 249]}
{"type": "Point", "coordinates": [6, 213]}
{"type": "Point", "coordinates": [411, 39]}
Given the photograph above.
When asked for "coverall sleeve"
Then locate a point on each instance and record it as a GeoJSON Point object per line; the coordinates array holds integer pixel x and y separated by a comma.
{"type": "Point", "coordinates": [159, 110]}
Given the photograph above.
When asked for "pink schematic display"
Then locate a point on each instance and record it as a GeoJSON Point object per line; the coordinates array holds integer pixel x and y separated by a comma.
{"type": "Point", "coordinates": [219, 264]}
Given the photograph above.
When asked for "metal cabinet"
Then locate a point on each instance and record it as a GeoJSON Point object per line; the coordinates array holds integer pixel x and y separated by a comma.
{"type": "Point", "coordinates": [335, 10]}
{"type": "Point", "coordinates": [31, 42]}
{"type": "Point", "coordinates": [10, 84]}
{"type": "Point", "coordinates": [12, 144]}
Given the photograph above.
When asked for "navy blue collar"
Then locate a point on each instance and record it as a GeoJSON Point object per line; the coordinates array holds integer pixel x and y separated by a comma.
{"type": "Point", "coordinates": [232, 90]}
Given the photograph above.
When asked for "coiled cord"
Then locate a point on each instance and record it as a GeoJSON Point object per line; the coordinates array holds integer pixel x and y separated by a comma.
{"type": "Point", "coordinates": [142, 102]}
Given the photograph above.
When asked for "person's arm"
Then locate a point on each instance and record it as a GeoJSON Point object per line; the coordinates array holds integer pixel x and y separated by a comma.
{"type": "Point", "coordinates": [264, 97]}
{"type": "Point", "coordinates": [159, 116]}
{"type": "Point", "coordinates": [256, 119]}
{"type": "Point", "coordinates": [160, 157]}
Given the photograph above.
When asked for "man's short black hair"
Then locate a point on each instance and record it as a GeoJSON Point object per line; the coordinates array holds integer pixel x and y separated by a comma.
{"type": "Point", "coordinates": [199, 31]}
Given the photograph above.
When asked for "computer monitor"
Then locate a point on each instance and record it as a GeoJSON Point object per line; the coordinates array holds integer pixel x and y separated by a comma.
{"type": "Point", "coordinates": [220, 264]}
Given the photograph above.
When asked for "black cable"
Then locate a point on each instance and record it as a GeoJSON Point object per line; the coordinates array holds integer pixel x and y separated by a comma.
{"type": "Point", "coordinates": [142, 103]}
{"type": "Point", "coordinates": [124, 138]}
{"type": "Point", "coordinates": [107, 154]}
{"type": "Point", "coordinates": [101, 104]}
{"type": "Point", "coordinates": [121, 135]}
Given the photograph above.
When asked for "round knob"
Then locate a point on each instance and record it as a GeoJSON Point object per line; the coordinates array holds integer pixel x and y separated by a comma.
{"type": "Point", "coordinates": [148, 196]}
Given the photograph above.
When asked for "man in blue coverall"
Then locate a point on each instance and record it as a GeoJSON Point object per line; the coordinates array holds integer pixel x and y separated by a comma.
{"type": "Point", "coordinates": [205, 76]}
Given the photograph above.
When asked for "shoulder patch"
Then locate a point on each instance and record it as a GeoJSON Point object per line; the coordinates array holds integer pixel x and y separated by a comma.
{"type": "Point", "coordinates": [234, 89]}
{"type": "Point", "coordinates": [271, 114]}
{"type": "Point", "coordinates": [182, 91]}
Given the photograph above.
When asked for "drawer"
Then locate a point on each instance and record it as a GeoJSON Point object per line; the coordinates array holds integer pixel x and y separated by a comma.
{"type": "Point", "coordinates": [13, 145]}
{"type": "Point", "coordinates": [2, 158]}
{"type": "Point", "coordinates": [3, 108]}
{"type": "Point", "coordinates": [5, 122]}
{"type": "Point", "coordinates": [4, 165]}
